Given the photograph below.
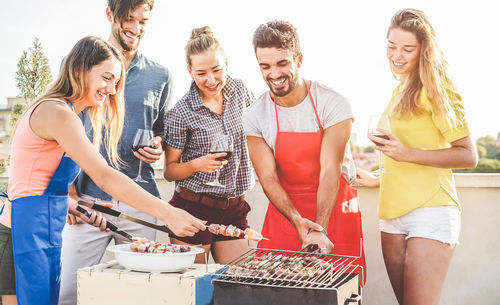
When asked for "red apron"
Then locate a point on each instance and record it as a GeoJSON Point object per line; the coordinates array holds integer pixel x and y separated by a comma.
{"type": "Point", "coordinates": [298, 165]}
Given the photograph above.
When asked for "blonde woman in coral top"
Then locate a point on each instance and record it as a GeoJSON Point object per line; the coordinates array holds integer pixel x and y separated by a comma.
{"type": "Point", "coordinates": [49, 147]}
{"type": "Point", "coordinates": [419, 209]}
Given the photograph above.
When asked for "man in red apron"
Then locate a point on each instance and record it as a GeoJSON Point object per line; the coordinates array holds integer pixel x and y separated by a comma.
{"type": "Point", "coordinates": [297, 136]}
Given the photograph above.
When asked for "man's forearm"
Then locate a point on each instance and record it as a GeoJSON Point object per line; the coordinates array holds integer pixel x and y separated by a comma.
{"type": "Point", "coordinates": [280, 199]}
{"type": "Point", "coordinates": [327, 196]}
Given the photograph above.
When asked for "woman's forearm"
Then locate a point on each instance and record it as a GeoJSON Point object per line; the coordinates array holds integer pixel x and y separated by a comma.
{"type": "Point", "coordinates": [122, 188]}
{"type": "Point", "coordinates": [452, 157]}
{"type": "Point", "coordinates": [174, 171]}
{"type": "Point", "coordinates": [461, 154]}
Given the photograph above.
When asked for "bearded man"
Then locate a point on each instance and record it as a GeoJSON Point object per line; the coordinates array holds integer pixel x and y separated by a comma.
{"type": "Point", "coordinates": [146, 93]}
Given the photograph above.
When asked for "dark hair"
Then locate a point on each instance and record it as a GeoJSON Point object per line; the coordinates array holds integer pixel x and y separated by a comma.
{"type": "Point", "coordinates": [277, 34]}
{"type": "Point", "coordinates": [201, 40]}
{"type": "Point", "coordinates": [122, 8]}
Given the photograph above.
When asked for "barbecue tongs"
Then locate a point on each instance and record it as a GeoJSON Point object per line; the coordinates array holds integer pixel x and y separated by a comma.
{"type": "Point", "coordinates": [113, 227]}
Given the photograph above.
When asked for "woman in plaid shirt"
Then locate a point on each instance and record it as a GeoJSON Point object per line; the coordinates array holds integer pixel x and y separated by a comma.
{"type": "Point", "coordinates": [213, 105]}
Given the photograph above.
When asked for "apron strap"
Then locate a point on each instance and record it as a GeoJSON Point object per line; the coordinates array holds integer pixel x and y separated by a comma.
{"type": "Point", "coordinates": [312, 103]}
{"type": "Point", "coordinates": [314, 107]}
{"type": "Point", "coordinates": [71, 104]}
{"type": "Point", "coordinates": [3, 194]}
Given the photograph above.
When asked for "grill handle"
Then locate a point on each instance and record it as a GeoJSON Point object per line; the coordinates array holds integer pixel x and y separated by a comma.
{"type": "Point", "coordinates": [355, 298]}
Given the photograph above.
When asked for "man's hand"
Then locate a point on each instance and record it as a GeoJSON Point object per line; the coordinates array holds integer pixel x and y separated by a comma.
{"type": "Point", "coordinates": [150, 155]}
{"type": "Point", "coordinates": [319, 238]}
{"type": "Point", "coordinates": [96, 219]}
{"type": "Point", "coordinates": [304, 226]}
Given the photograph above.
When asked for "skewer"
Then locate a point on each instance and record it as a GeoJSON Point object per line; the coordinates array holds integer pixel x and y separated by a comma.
{"type": "Point", "coordinates": [265, 238]}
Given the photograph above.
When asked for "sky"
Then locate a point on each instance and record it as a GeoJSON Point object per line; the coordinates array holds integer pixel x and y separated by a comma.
{"type": "Point", "coordinates": [343, 43]}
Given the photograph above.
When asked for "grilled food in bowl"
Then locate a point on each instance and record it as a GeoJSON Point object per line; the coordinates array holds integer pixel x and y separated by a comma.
{"type": "Point", "coordinates": [154, 262]}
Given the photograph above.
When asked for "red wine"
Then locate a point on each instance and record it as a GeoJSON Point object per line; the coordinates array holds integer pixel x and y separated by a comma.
{"type": "Point", "coordinates": [226, 157]}
{"type": "Point", "coordinates": [137, 147]}
{"type": "Point", "coordinates": [382, 136]}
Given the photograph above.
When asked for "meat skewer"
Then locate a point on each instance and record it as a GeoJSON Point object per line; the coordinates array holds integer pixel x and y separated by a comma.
{"type": "Point", "coordinates": [230, 230]}
{"type": "Point", "coordinates": [143, 245]}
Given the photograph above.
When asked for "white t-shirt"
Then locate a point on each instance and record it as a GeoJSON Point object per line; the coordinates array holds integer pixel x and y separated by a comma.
{"type": "Point", "coordinates": [259, 119]}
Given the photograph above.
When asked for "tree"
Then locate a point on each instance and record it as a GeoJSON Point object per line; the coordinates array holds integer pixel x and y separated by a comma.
{"type": "Point", "coordinates": [369, 149]}
{"type": "Point", "coordinates": [481, 151]}
{"type": "Point", "coordinates": [491, 146]}
{"type": "Point", "coordinates": [33, 74]}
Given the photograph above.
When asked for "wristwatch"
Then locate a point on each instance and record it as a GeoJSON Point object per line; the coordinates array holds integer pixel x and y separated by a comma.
{"type": "Point", "coordinates": [322, 230]}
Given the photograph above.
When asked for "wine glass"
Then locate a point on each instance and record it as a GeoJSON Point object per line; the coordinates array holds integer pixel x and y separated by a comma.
{"type": "Point", "coordinates": [221, 143]}
{"type": "Point", "coordinates": [143, 138]}
{"type": "Point", "coordinates": [383, 122]}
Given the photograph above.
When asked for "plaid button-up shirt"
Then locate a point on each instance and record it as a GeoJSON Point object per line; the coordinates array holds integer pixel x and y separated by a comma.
{"type": "Point", "coordinates": [191, 127]}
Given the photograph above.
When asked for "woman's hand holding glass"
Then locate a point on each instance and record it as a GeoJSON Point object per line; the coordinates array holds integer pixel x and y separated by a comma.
{"type": "Point", "coordinates": [376, 125]}
{"type": "Point", "coordinates": [221, 143]}
{"type": "Point", "coordinates": [209, 163]}
{"type": "Point", "coordinates": [392, 146]}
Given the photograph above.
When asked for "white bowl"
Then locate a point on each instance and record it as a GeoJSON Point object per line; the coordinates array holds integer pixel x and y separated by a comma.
{"type": "Point", "coordinates": [154, 262]}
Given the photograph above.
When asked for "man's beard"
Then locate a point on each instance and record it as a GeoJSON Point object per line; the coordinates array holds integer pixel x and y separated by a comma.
{"type": "Point", "coordinates": [126, 47]}
{"type": "Point", "coordinates": [292, 82]}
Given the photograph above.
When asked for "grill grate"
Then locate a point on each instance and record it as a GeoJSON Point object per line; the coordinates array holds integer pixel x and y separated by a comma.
{"type": "Point", "coordinates": [289, 269]}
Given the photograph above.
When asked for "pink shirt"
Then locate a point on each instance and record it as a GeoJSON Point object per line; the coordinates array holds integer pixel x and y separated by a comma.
{"type": "Point", "coordinates": [32, 164]}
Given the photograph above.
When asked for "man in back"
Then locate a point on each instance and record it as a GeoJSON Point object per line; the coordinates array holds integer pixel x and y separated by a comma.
{"type": "Point", "coordinates": [146, 92]}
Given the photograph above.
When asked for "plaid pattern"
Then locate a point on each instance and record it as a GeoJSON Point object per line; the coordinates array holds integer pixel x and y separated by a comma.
{"type": "Point", "coordinates": [190, 127]}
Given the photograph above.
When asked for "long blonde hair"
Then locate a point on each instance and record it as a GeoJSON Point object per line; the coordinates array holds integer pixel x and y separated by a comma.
{"type": "Point", "coordinates": [71, 85]}
{"type": "Point", "coordinates": [430, 74]}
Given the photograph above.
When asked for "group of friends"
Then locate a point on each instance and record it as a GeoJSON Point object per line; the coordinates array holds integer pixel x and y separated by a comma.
{"type": "Point", "coordinates": [295, 136]}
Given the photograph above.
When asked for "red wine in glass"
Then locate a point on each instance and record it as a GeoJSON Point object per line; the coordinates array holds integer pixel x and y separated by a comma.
{"type": "Point", "coordinates": [143, 138]}
{"type": "Point", "coordinates": [382, 136]}
{"type": "Point", "coordinates": [226, 157]}
{"type": "Point", "coordinates": [221, 143]}
{"type": "Point", "coordinates": [379, 122]}
{"type": "Point", "coordinates": [137, 147]}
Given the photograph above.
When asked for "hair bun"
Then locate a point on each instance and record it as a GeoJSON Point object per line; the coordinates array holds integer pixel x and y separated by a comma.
{"type": "Point", "coordinates": [198, 32]}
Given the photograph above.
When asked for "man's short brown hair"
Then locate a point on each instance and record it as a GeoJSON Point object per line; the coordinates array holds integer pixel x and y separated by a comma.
{"type": "Point", "coordinates": [277, 34]}
{"type": "Point", "coordinates": [122, 8]}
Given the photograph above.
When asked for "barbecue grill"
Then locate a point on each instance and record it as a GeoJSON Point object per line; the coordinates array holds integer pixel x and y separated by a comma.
{"type": "Point", "coordinates": [265, 276]}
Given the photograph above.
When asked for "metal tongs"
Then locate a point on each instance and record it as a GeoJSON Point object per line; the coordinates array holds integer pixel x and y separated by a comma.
{"type": "Point", "coordinates": [113, 227]}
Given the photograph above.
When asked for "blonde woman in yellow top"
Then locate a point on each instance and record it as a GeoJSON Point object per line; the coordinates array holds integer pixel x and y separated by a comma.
{"type": "Point", "coordinates": [419, 209]}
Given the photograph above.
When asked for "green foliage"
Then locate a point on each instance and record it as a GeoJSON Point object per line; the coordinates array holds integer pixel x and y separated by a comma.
{"type": "Point", "coordinates": [491, 146]}
{"type": "Point", "coordinates": [2, 168]}
{"type": "Point", "coordinates": [481, 151]}
{"type": "Point", "coordinates": [484, 165]}
{"type": "Point", "coordinates": [17, 111]}
{"type": "Point", "coordinates": [369, 149]}
{"type": "Point", "coordinates": [33, 74]}
{"type": "Point", "coordinates": [356, 148]}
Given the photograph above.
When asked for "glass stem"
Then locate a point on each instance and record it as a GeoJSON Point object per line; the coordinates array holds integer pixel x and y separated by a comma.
{"type": "Point", "coordinates": [140, 169]}
{"type": "Point", "coordinates": [217, 174]}
{"type": "Point", "coordinates": [380, 161]}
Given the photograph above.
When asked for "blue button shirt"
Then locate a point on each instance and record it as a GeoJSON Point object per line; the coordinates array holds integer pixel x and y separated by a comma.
{"type": "Point", "coordinates": [146, 93]}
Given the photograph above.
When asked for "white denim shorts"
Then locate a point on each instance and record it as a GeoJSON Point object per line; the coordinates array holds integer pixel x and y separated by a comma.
{"type": "Point", "coordinates": [440, 223]}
